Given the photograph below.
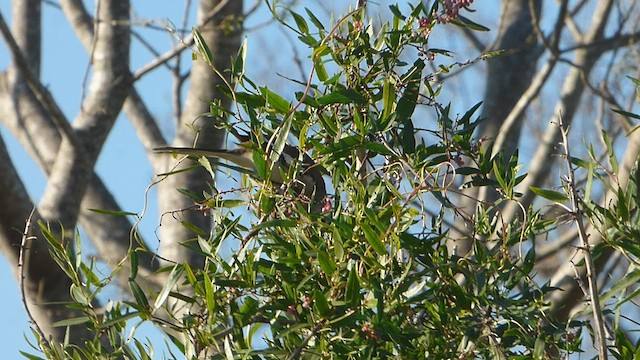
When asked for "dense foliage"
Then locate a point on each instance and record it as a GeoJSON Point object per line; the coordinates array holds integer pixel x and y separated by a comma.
{"type": "Point", "coordinates": [371, 276]}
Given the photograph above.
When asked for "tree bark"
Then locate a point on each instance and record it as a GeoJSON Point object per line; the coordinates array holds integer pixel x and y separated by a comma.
{"type": "Point", "coordinates": [508, 77]}
{"type": "Point", "coordinates": [224, 43]}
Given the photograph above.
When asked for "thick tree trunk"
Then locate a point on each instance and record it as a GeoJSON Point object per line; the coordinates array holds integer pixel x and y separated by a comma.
{"type": "Point", "coordinates": [67, 153]}
{"type": "Point", "coordinates": [508, 77]}
{"type": "Point", "coordinates": [224, 43]}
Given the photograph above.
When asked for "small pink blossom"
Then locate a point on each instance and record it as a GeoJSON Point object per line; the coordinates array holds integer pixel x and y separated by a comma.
{"type": "Point", "coordinates": [451, 10]}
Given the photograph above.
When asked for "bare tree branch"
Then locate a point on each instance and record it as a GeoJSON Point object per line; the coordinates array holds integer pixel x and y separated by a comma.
{"type": "Point", "coordinates": [204, 19]}
{"type": "Point", "coordinates": [44, 283]}
{"type": "Point", "coordinates": [516, 36]}
{"type": "Point", "coordinates": [109, 86]}
{"type": "Point", "coordinates": [40, 91]}
{"type": "Point", "coordinates": [571, 93]}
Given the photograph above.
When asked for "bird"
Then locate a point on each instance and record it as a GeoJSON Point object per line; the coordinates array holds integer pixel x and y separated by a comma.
{"type": "Point", "coordinates": [307, 182]}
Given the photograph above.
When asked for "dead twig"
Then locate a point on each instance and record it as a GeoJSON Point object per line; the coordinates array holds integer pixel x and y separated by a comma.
{"type": "Point", "coordinates": [23, 245]}
{"type": "Point", "coordinates": [592, 284]}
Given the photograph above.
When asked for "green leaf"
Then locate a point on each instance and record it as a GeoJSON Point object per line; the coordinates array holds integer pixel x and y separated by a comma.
{"type": "Point", "coordinates": [539, 348]}
{"type": "Point", "coordinates": [248, 99]}
{"type": "Point", "coordinates": [314, 19]}
{"type": "Point", "coordinates": [138, 295]}
{"type": "Point", "coordinates": [497, 171]}
{"type": "Point", "coordinates": [202, 47]}
{"type": "Point", "coordinates": [78, 294]}
{"type": "Point", "coordinates": [377, 148]}
{"type": "Point", "coordinates": [635, 81]}
{"type": "Point", "coordinates": [239, 62]}
{"type": "Point", "coordinates": [409, 99]}
{"type": "Point", "coordinates": [466, 23]}
{"type": "Point", "coordinates": [321, 72]}
{"type": "Point", "coordinates": [206, 164]}
{"type": "Point", "coordinates": [388, 99]}
{"type": "Point", "coordinates": [408, 137]}
{"type": "Point", "coordinates": [321, 303]}
{"type": "Point", "coordinates": [626, 113]}
{"type": "Point", "coordinates": [276, 101]}
{"type": "Point", "coordinates": [344, 96]}
{"type": "Point", "coordinates": [551, 195]}
{"type": "Point", "coordinates": [29, 356]}
{"type": "Point", "coordinates": [260, 163]}
{"type": "Point", "coordinates": [72, 321]}
{"type": "Point", "coordinates": [300, 22]}
{"type": "Point", "coordinates": [279, 223]}
{"type": "Point", "coordinates": [118, 318]}
{"type": "Point", "coordinates": [395, 10]}
{"type": "Point", "coordinates": [113, 212]}
{"type": "Point", "coordinates": [613, 161]}
{"type": "Point", "coordinates": [327, 265]}
{"type": "Point", "coordinates": [343, 145]}
{"type": "Point", "coordinates": [133, 259]}
{"type": "Point", "coordinates": [209, 294]}
{"type": "Point", "coordinates": [373, 239]}
{"type": "Point", "coordinates": [352, 293]}
{"type": "Point", "coordinates": [191, 195]}
{"type": "Point", "coordinates": [89, 275]}
{"type": "Point", "coordinates": [282, 134]}
{"type": "Point", "coordinates": [621, 286]}
{"type": "Point", "coordinates": [172, 280]}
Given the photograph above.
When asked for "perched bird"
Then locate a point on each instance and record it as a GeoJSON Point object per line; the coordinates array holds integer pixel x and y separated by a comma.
{"type": "Point", "coordinates": [308, 181]}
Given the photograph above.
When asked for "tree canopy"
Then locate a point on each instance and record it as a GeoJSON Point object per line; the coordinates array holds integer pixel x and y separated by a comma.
{"type": "Point", "coordinates": [368, 216]}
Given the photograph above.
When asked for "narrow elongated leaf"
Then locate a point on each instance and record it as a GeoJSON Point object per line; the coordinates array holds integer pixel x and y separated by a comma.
{"type": "Point", "coordinates": [551, 195]}
{"type": "Point", "coordinates": [314, 19]}
{"type": "Point", "coordinates": [29, 356]}
{"type": "Point", "coordinates": [79, 295]}
{"type": "Point", "coordinates": [133, 257]}
{"type": "Point", "coordinates": [276, 101]}
{"type": "Point", "coordinates": [172, 280]}
{"type": "Point", "coordinates": [626, 113]}
{"type": "Point", "coordinates": [72, 321]}
{"type": "Point", "coordinates": [388, 99]}
{"type": "Point", "coordinates": [464, 22]}
{"type": "Point", "coordinates": [202, 46]}
{"type": "Point", "coordinates": [327, 265]}
{"type": "Point", "coordinates": [321, 303]}
{"type": "Point", "coordinates": [352, 293]}
{"type": "Point", "coordinates": [280, 141]}
{"type": "Point", "coordinates": [373, 239]}
{"type": "Point", "coordinates": [321, 72]}
{"type": "Point", "coordinates": [409, 99]}
{"type": "Point", "coordinates": [300, 22]}
{"type": "Point", "coordinates": [344, 96]}
{"type": "Point", "coordinates": [209, 294]}
{"type": "Point", "coordinates": [113, 212]}
{"type": "Point", "coordinates": [612, 155]}
{"type": "Point", "coordinates": [138, 295]}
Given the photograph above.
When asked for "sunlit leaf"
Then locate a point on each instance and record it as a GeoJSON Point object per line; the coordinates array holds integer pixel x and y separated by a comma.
{"type": "Point", "coordinates": [551, 195]}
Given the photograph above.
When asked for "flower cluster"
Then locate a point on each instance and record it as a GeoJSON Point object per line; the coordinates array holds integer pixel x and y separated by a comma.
{"type": "Point", "coordinates": [425, 24]}
{"type": "Point", "coordinates": [451, 10]}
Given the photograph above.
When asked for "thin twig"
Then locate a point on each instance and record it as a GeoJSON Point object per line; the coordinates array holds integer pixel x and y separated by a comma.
{"type": "Point", "coordinates": [184, 44]}
{"type": "Point", "coordinates": [592, 283]}
{"type": "Point", "coordinates": [23, 245]}
{"type": "Point", "coordinates": [298, 351]}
